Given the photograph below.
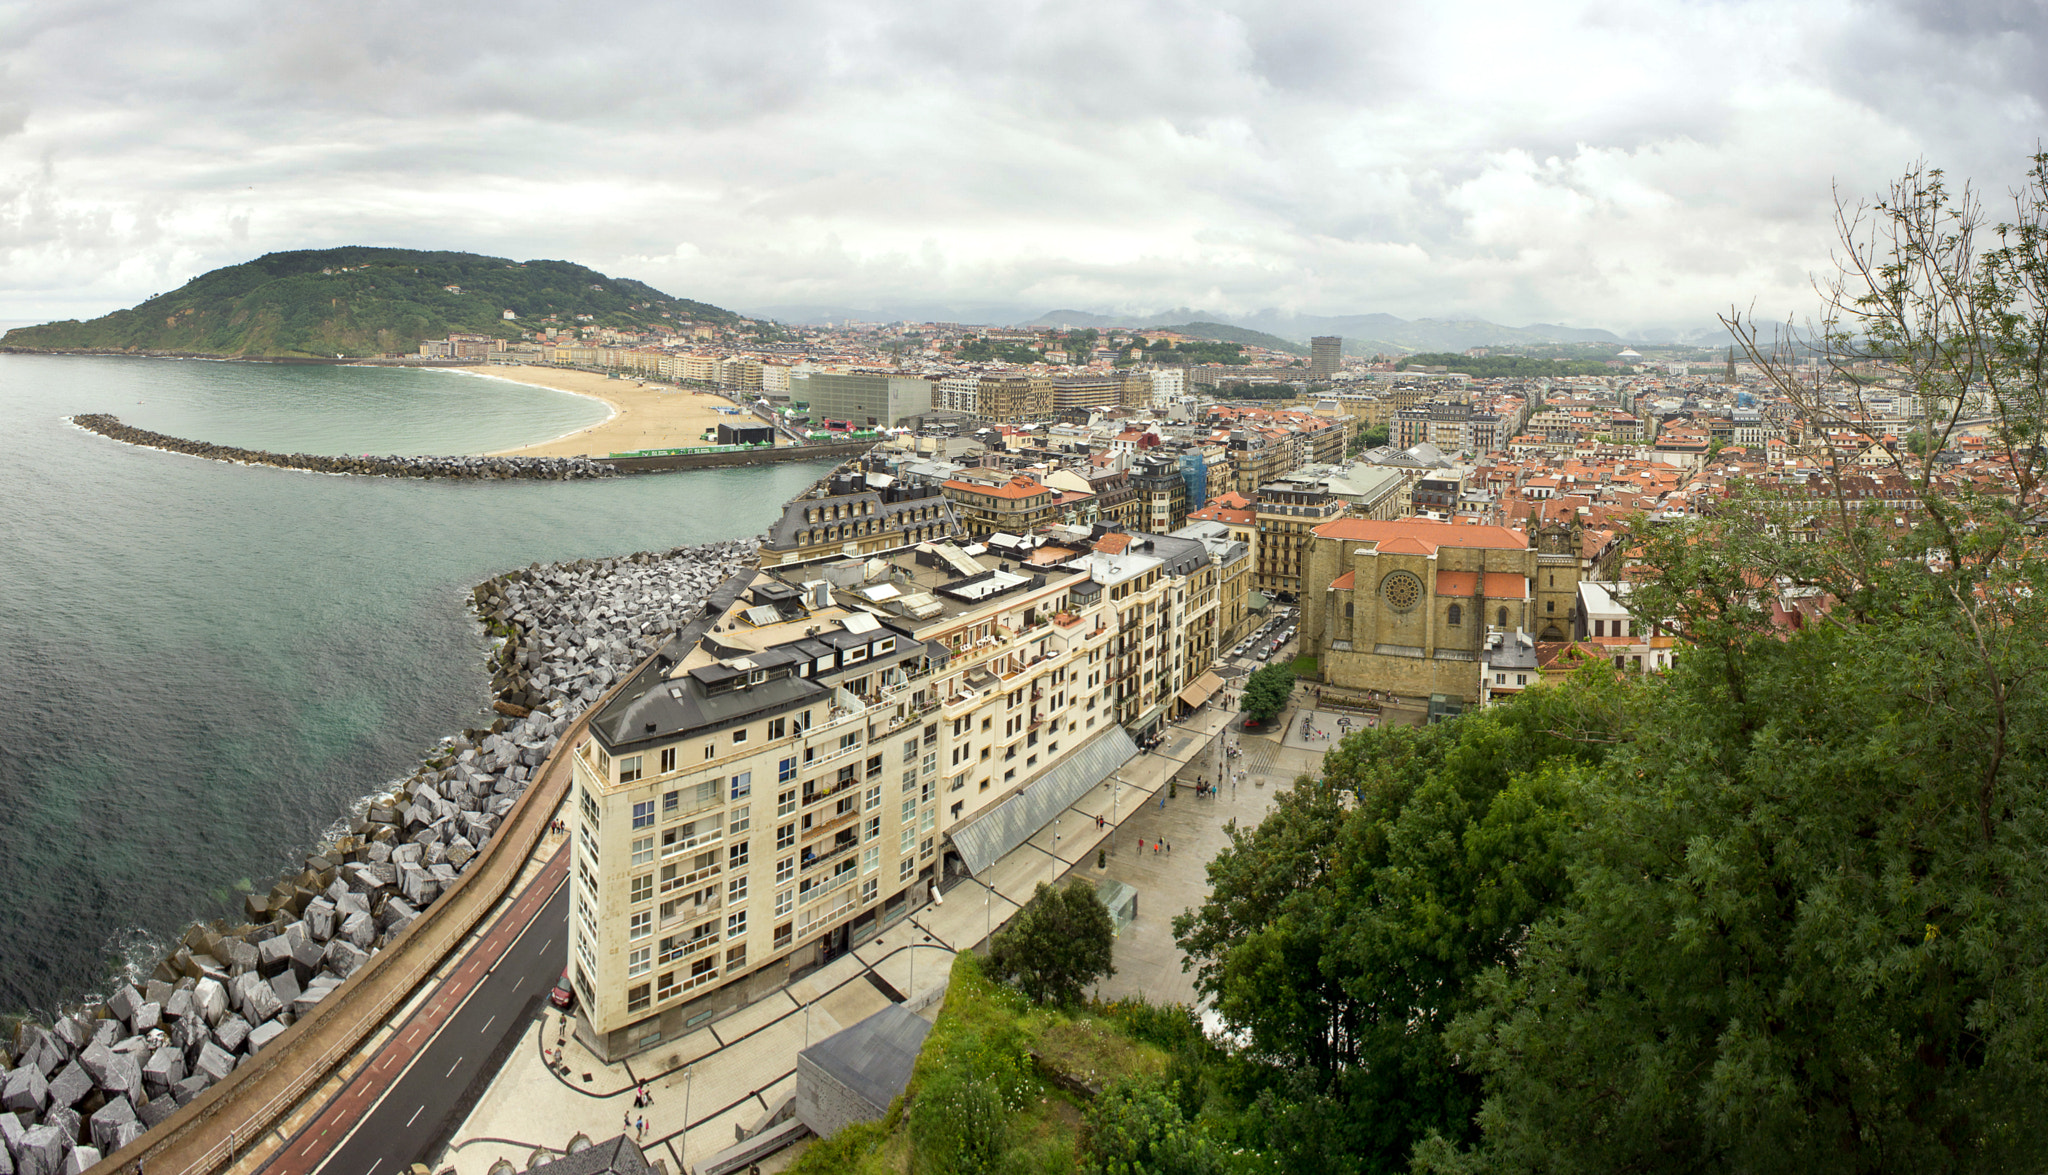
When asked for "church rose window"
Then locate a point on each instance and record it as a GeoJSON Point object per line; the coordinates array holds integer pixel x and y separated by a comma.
{"type": "Point", "coordinates": [1401, 589]}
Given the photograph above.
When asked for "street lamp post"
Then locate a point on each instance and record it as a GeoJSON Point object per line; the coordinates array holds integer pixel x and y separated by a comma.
{"type": "Point", "coordinates": [683, 1146]}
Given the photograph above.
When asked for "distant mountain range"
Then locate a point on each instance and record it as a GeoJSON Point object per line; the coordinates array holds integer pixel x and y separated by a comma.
{"type": "Point", "coordinates": [1363, 334]}
{"type": "Point", "coordinates": [359, 301]}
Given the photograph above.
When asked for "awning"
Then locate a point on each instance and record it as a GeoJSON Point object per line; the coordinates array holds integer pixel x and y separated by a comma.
{"type": "Point", "coordinates": [1202, 690]}
{"type": "Point", "coordinates": [985, 839]}
{"type": "Point", "coordinates": [1255, 601]}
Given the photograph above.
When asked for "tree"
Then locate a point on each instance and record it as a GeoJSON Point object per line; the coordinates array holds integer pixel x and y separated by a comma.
{"type": "Point", "coordinates": [1799, 932]}
{"type": "Point", "coordinates": [1266, 693]}
{"type": "Point", "coordinates": [1060, 942]}
{"type": "Point", "coordinates": [1345, 933]}
{"type": "Point", "coordinates": [1136, 1128]}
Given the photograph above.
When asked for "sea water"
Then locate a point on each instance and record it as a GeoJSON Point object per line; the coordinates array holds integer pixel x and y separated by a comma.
{"type": "Point", "coordinates": [203, 665]}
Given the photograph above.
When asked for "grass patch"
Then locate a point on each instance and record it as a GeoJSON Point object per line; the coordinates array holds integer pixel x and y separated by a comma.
{"type": "Point", "coordinates": [1304, 665]}
{"type": "Point", "coordinates": [976, 1100]}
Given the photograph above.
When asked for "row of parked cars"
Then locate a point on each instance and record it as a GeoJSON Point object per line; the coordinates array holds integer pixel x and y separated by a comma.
{"type": "Point", "coordinates": [1267, 641]}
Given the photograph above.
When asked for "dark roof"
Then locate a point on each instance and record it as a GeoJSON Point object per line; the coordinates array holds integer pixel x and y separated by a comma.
{"type": "Point", "coordinates": [613, 1156]}
{"type": "Point", "coordinates": [873, 1058]}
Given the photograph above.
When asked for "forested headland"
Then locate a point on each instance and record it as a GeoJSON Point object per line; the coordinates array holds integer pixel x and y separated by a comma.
{"type": "Point", "coordinates": [359, 302]}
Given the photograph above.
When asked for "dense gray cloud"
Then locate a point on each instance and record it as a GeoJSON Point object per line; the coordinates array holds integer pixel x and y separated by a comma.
{"type": "Point", "coordinates": [1611, 164]}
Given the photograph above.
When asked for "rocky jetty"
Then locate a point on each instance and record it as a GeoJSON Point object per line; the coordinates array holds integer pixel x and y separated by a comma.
{"type": "Point", "coordinates": [460, 468]}
{"type": "Point", "coordinates": [94, 1081]}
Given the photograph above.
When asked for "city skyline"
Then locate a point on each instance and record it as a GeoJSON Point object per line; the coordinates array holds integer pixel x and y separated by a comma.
{"type": "Point", "coordinates": [1627, 169]}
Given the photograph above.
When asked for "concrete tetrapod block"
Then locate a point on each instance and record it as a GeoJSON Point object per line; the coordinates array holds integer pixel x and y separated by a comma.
{"type": "Point", "coordinates": [210, 999]}
{"type": "Point", "coordinates": [104, 1122]}
{"type": "Point", "coordinates": [6, 1156]}
{"type": "Point", "coordinates": [41, 1151]}
{"type": "Point", "coordinates": [148, 1016]}
{"type": "Point", "coordinates": [26, 1091]}
{"type": "Point", "coordinates": [316, 991]}
{"type": "Point", "coordinates": [80, 1159]}
{"type": "Point", "coordinates": [215, 1062]}
{"type": "Point", "coordinates": [179, 1006]}
{"type": "Point", "coordinates": [70, 1085]}
{"type": "Point", "coordinates": [273, 955]}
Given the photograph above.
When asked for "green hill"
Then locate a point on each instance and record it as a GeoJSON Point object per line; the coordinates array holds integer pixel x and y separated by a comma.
{"type": "Point", "coordinates": [359, 302]}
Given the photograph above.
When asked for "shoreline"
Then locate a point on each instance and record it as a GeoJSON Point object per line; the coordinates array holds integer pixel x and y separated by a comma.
{"type": "Point", "coordinates": [644, 415]}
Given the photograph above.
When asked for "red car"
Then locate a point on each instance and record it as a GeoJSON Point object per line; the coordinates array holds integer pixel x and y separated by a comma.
{"type": "Point", "coordinates": [563, 996]}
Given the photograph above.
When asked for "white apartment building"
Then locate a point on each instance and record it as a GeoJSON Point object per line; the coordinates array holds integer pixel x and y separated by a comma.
{"type": "Point", "coordinates": [827, 744]}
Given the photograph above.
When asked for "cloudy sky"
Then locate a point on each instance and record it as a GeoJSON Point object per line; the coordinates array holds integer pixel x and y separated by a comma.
{"type": "Point", "coordinates": [1608, 164]}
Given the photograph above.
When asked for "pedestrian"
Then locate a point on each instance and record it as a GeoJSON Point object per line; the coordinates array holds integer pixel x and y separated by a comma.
{"type": "Point", "coordinates": [629, 1120]}
{"type": "Point", "coordinates": [1169, 848]}
{"type": "Point", "coordinates": [643, 1127]}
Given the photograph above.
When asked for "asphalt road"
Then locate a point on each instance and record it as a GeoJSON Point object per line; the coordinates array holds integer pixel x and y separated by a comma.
{"type": "Point", "coordinates": [401, 1106]}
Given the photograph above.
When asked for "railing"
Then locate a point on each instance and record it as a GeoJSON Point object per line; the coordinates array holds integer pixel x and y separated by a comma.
{"type": "Point", "coordinates": [689, 948]}
{"type": "Point", "coordinates": [698, 841]}
{"type": "Point", "coordinates": [711, 905]}
{"type": "Point", "coordinates": [808, 920]}
{"type": "Point", "coordinates": [688, 879]}
{"type": "Point", "coordinates": [696, 981]}
{"type": "Point", "coordinates": [840, 821]}
{"type": "Point", "coordinates": [832, 853]}
{"type": "Point", "coordinates": [826, 886]}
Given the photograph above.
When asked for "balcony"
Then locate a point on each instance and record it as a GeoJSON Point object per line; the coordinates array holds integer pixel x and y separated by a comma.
{"type": "Point", "coordinates": [831, 854]}
{"type": "Point", "coordinates": [694, 877]}
{"type": "Point", "coordinates": [684, 951]}
{"type": "Point", "coordinates": [836, 822]}
{"type": "Point", "coordinates": [698, 841]}
{"type": "Point", "coordinates": [809, 919]}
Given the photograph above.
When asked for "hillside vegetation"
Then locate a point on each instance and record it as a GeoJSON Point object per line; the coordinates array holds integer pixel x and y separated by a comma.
{"type": "Point", "coordinates": [359, 302]}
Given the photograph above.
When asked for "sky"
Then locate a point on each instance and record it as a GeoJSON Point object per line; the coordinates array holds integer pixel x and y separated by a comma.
{"type": "Point", "coordinates": [1613, 164]}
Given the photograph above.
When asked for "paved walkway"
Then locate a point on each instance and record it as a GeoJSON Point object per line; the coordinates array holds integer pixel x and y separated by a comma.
{"type": "Point", "coordinates": [732, 1072]}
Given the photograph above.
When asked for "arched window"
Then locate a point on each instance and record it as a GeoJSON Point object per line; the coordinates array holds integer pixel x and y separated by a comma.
{"type": "Point", "coordinates": [1503, 621]}
{"type": "Point", "coordinates": [1455, 616]}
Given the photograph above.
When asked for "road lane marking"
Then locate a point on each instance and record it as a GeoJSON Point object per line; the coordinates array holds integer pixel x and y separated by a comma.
{"type": "Point", "coordinates": [373, 1166]}
{"type": "Point", "coordinates": [415, 1116]}
{"type": "Point", "coordinates": [452, 1069]}
{"type": "Point", "coordinates": [487, 1024]}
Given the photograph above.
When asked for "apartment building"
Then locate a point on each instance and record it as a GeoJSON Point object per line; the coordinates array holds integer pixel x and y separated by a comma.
{"type": "Point", "coordinates": [1017, 506]}
{"type": "Point", "coordinates": [809, 758]}
{"type": "Point", "coordinates": [859, 513]}
{"type": "Point", "coordinates": [1288, 513]}
{"type": "Point", "coordinates": [1013, 399]}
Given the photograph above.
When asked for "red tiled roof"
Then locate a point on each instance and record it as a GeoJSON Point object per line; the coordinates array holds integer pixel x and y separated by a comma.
{"type": "Point", "coordinates": [1112, 544]}
{"type": "Point", "coordinates": [1499, 585]}
{"type": "Point", "coordinates": [1425, 535]}
{"type": "Point", "coordinates": [1348, 581]}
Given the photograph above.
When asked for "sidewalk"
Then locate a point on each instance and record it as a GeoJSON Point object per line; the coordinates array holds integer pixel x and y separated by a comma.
{"type": "Point", "coordinates": [731, 1073]}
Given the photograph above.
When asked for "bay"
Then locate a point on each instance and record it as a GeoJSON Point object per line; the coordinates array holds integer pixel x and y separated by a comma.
{"type": "Point", "coordinates": [203, 666]}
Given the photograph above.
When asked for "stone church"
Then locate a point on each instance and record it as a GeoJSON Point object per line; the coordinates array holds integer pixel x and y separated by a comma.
{"type": "Point", "coordinates": [1404, 606]}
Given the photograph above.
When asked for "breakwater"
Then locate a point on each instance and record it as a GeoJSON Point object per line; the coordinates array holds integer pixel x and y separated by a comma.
{"type": "Point", "coordinates": [463, 468]}
{"type": "Point", "coordinates": [98, 1078]}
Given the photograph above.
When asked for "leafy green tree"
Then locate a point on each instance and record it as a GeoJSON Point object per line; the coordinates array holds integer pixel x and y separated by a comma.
{"type": "Point", "coordinates": [1343, 935]}
{"type": "Point", "coordinates": [1377, 435]}
{"type": "Point", "coordinates": [1266, 693]}
{"type": "Point", "coordinates": [1802, 930]}
{"type": "Point", "coordinates": [1059, 943]}
{"type": "Point", "coordinates": [1136, 1128]}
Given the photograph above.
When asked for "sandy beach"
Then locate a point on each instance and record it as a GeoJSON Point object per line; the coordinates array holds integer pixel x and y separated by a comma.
{"type": "Point", "coordinates": [644, 416]}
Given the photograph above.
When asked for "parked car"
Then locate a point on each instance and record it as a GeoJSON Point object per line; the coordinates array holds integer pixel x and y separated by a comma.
{"type": "Point", "coordinates": [563, 996]}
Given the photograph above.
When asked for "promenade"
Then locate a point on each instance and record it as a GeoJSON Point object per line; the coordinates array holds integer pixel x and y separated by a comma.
{"type": "Point", "coordinates": [729, 1074]}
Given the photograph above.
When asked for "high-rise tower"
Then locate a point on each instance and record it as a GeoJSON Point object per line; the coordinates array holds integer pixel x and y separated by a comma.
{"type": "Point", "coordinates": [1326, 355]}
